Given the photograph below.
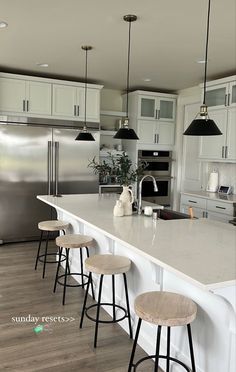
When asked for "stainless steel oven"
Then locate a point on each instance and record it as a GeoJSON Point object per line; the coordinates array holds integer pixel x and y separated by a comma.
{"type": "Point", "coordinates": [159, 166]}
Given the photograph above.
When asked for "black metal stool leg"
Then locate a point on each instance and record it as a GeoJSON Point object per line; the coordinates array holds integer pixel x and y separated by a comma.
{"type": "Point", "coordinates": [65, 277]}
{"type": "Point", "coordinates": [98, 311]}
{"type": "Point", "coordinates": [127, 305]}
{"type": "Point", "coordinates": [134, 345]}
{"type": "Point", "coordinates": [81, 267]}
{"type": "Point", "coordinates": [92, 288]}
{"type": "Point", "coordinates": [191, 348]}
{"type": "Point", "coordinates": [113, 298]}
{"type": "Point", "coordinates": [168, 350]}
{"type": "Point", "coordinates": [157, 348]}
{"type": "Point", "coordinates": [58, 268]}
{"type": "Point", "coordinates": [45, 254]}
{"type": "Point", "coordinates": [37, 258]}
{"type": "Point", "coordinates": [85, 300]}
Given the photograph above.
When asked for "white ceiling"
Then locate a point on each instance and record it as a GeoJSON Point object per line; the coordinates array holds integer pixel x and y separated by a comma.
{"type": "Point", "coordinates": [167, 40]}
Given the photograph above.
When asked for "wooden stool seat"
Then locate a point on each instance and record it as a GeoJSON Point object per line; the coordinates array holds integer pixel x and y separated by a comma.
{"type": "Point", "coordinates": [107, 264]}
{"type": "Point", "coordinates": [74, 241]}
{"type": "Point", "coordinates": [52, 225]}
{"type": "Point", "coordinates": [165, 308]}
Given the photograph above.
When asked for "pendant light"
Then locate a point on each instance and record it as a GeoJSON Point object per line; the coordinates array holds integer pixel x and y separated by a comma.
{"type": "Point", "coordinates": [204, 126]}
{"type": "Point", "coordinates": [125, 132]}
{"type": "Point", "coordinates": [84, 135]}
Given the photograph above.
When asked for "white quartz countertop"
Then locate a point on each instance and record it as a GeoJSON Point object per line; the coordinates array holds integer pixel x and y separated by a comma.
{"type": "Point", "coordinates": [201, 251]}
{"type": "Point", "coordinates": [231, 198]}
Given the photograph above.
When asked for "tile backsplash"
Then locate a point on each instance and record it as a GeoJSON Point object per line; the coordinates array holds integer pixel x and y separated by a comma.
{"type": "Point", "coordinates": [227, 173]}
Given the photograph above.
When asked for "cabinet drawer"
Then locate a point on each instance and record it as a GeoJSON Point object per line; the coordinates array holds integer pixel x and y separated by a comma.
{"type": "Point", "coordinates": [220, 207]}
{"type": "Point", "coordinates": [193, 201]}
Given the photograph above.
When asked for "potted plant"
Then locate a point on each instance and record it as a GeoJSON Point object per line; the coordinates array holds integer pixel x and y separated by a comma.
{"type": "Point", "coordinates": [125, 172]}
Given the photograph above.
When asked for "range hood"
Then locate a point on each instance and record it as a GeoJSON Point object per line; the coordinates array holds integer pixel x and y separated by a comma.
{"type": "Point", "coordinates": [56, 123]}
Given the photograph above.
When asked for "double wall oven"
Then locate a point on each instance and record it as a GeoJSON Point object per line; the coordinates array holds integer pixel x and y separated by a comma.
{"type": "Point", "coordinates": [158, 164]}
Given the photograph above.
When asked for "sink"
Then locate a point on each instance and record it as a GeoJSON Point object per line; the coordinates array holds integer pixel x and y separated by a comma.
{"type": "Point", "coordinates": [167, 214]}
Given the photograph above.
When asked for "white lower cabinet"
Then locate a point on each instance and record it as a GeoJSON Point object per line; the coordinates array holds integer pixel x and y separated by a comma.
{"type": "Point", "coordinates": [203, 207]}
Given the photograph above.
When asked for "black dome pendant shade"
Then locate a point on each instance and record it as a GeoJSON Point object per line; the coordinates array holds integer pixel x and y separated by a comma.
{"type": "Point", "coordinates": [204, 126]}
{"type": "Point", "coordinates": [84, 135]}
{"type": "Point", "coordinates": [125, 132]}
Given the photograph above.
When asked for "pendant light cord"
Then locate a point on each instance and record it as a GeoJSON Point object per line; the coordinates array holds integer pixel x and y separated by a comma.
{"type": "Point", "coordinates": [85, 93]}
{"type": "Point", "coordinates": [127, 85]}
{"type": "Point", "coordinates": [206, 51]}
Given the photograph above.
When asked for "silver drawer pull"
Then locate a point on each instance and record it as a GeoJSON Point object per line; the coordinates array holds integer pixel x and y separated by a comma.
{"type": "Point", "coordinates": [220, 207]}
{"type": "Point", "coordinates": [192, 201]}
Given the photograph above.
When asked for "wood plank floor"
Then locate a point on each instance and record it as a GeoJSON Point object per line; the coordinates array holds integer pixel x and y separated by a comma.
{"type": "Point", "coordinates": [61, 347]}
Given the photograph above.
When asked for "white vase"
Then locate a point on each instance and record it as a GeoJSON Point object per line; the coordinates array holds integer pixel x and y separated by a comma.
{"type": "Point", "coordinates": [127, 199]}
{"type": "Point", "coordinates": [118, 210]}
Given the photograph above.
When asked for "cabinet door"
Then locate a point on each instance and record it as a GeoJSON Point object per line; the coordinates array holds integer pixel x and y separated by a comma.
{"type": "Point", "coordinates": [147, 108]}
{"type": "Point", "coordinates": [213, 147]}
{"type": "Point", "coordinates": [38, 98]}
{"type": "Point", "coordinates": [166, 134]}
{"type": "Point", "coordinates": [12, 95]}
{"type": "Point", "coordinates": [216, 96]}
{"type": "Point", "coordinates": [166, 109]}
{"type": "Point", "coordinates": [218, 217]}
{"type": "Point", "coordinates": [147, 131]}
{"type": "Point", "coordinates": [232, 94]}
{"type": "Point", "coordinates": [64, 101]}
{"type": "Point", "coordinates": [231, 134]}
{"type": "Point", "coordinates": [93, 105]}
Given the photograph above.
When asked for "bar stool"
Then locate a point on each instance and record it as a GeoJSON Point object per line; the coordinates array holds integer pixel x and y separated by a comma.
{"type": "Point", "coordinates": [48, 226]}
{"type": "Point", "coordinates": [72, 241]}
{"type": "Point", "coordinates": [164, 309]}
{"type": "Point", "coordinates": [106, 264]}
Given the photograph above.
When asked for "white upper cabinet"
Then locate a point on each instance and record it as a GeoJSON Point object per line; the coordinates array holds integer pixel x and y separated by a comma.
{"type": "Point", "coordinates": [68, 102]}
{"type": "Point", "coordinates": [51, 98]}
{"type": "Point", "coordinates": [156, 108]}
{"type": "Point", "coordinates": [25, 97]}
{"type": "Point", "coordinates": [152, 115]}
{"type": "Point", "coordinates": [221, 101]}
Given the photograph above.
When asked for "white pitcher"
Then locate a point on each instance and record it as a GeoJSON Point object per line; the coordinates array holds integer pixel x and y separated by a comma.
{"type": "Point", "coordinates": [127, 199]}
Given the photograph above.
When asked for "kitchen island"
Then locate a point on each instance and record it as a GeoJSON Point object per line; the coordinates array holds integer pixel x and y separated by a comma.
{"type": "Point", "coordinates": [193, 257]}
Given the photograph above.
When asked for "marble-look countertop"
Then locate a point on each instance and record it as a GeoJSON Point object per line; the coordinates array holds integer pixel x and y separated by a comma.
{"type": "Point", "coordinates": [231, 198]}
{"type": "Point", "coordinates": [200, 251]}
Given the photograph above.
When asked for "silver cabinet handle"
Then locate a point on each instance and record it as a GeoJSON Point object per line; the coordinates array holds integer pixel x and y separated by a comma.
{"type": "Point", "coordinates": [203, 214]}
{"type": "Point", "coordinates": [226, 99]}
{"type": "Point", "coordinates": [223, 152]}
{"type": "Point", "coordinates": [74, 110]}
{"type": "Point", "coordinates": [226, 152]}
{"type": "Point", "coordinates": [49, 166]}
{"type": "Point", "coordinates": [78, 110]}
{"type": "Point", "coordinates": [27, 105]}
{"type": "Point", "coordinates": [157, 138]}
{"type": "Point", "coordinates": [192, 201]}
{"type": "Point", "coordinates": [206, 214]}
{"type": "Point", "coordinates": [156, 114]}
{"type": "Point", "coordinates": [56, 168]}
{"type": "Point", "coordinates": [23, 105]}
{"type": "Point", "coordinates": [159, 114]}
{"type": "Point", "coordinates": [229, 99]}
{"type": "Point", "coordinates": [217, 206]}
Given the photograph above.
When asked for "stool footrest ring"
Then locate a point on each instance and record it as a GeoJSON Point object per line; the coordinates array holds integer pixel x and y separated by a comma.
{"type": "Point", "coordinates": [135, 365]}
{"type": "Point", "coordinates": [106, 321]}
{"type": "Point", "coordinates": [72, 285]}
{"type": "Point", "coordinates": [51, 254]}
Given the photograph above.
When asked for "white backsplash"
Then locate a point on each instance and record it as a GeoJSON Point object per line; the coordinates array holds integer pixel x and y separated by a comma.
{"type": "Point", "coordinates": [227, 173]}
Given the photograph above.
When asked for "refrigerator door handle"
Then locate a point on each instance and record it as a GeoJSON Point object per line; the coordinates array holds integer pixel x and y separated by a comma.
{"type": "Point", "coordinates": [49, 161]}
{"type": "Point", "coordinates": [56, 168]}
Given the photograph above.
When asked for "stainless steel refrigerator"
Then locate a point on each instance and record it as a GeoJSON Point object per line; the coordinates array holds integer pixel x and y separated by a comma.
{"type": "Point", "coordinates": [38, 159]}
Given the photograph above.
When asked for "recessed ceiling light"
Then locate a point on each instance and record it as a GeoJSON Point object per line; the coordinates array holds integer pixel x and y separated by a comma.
{"type": "Point", "coordinates": [42, 64]}
{"type": "Point", "coordinates": [147, 79]}
{"type": "Point", "coordinates": [3, 24]}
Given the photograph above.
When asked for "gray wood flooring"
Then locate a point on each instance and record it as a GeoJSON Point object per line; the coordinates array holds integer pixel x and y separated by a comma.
{"type": "Point", "coordinates": [62, 346]}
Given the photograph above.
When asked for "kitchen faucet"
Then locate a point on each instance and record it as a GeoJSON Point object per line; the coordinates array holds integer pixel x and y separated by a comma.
{"type": "Point", "coordinates": [140, 191]}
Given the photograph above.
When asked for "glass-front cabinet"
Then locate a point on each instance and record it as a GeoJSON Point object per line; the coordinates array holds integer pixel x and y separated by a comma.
{"type": "Point", "coordinates": [156, 108]}
{"type": "Point", "coordinates": [221, 95]}
{"type": "Point", "coordinates": [233, 94]}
